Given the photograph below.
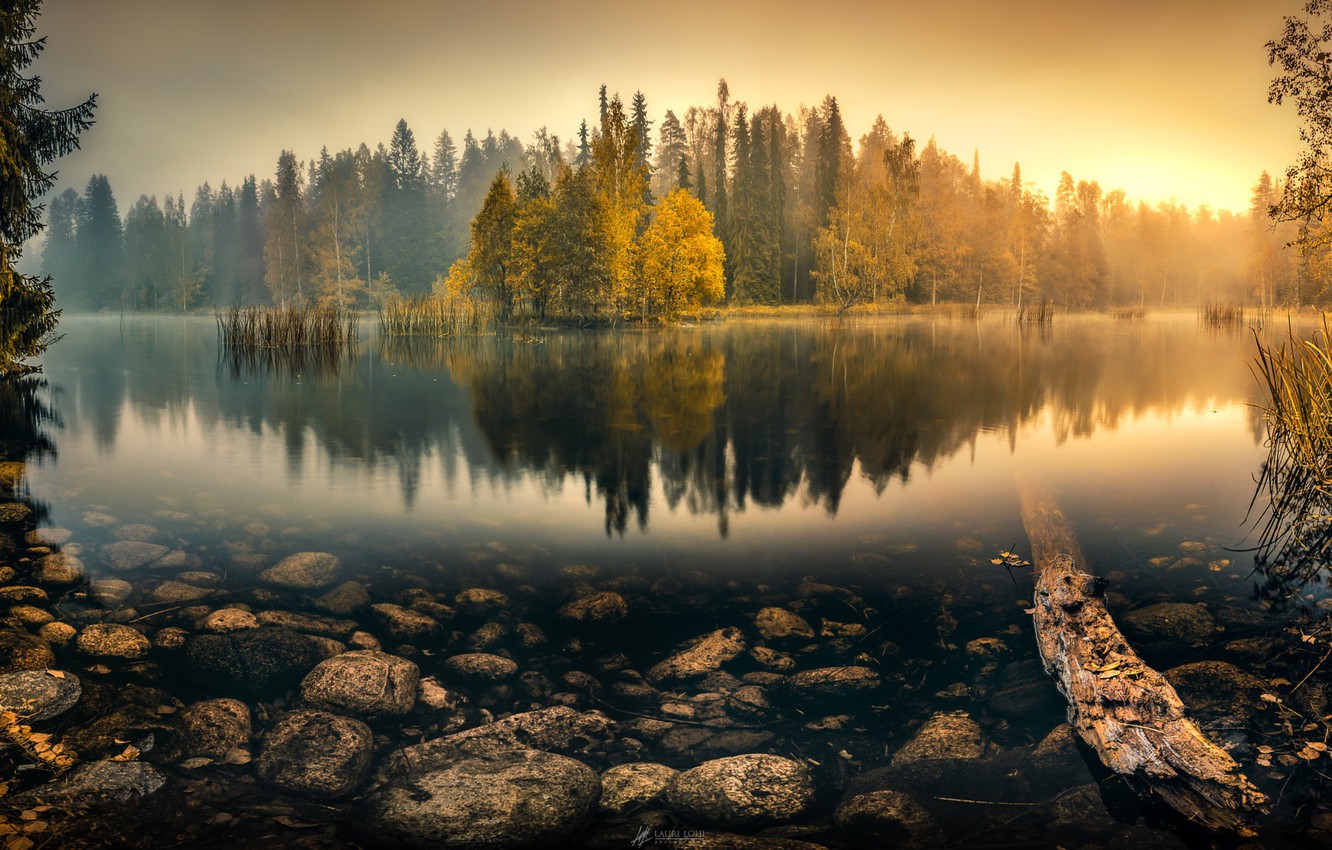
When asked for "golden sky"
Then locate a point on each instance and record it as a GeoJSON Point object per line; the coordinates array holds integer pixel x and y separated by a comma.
{"type": "Point", "coordinates": [1162, 98]}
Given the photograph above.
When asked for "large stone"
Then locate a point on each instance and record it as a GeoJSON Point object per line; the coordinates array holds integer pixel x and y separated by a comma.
{"type": "Point", "coordinates": [58, 570]}
{"type": "Point", "coordinates": [215, 728]}
{"type": "Point", "coordinates": [130, 554]}
{"type": "Point", "coordinates": [744, 791]}
{"type": "Point", "coordinates": [259, 662]}
{"type": "Point", "coordinates": [559, 729]}
{"type": "Point", "coordinates": [890, 818]}
{"type": "Point", "coordinates": [627, 787]}
{"type": "Point", "coordinates": [315, 753]}
{"type": "Point", "coordinates": [1025, 692]}
{"type": "Point", "coordinates": [701, 656]}
{"type": "Point", "coordinates": [510, 798]}
{"type": "Point", "coordinates": [1173, 621]}
{"type": "Point", "coordinates": [405, 624]}
{"type": "Point", "coordinates": [944, 736]}
{"type": "Point", "coordinates": [112, 640]}
{"type": "Point", "coordinates": [778, 625]}
{"type": "Point", "coordinates": [23, 651]}
{"type": "Point", "coordinates": [343, 599]}
{"type": "Point", "coordinates": [364, 683]}
{"type": "Point", "coordinates": [176, 592]}
{"type": "Point", "coordinates": [1218, 695]}
{"type": "Point", "coordinates": [37, 695]}
{"type": "Point", "coordinates": [95, 785]}
{"type": "Point", "coordinates": [310, 624]}
{"type": "Point", "coordinates": [604, 608]}
{"type": "Point", "coordinates": [824, 682]}
{"type": "Point", "coordinates": [480, 666]}
{"type": "Point", "coordinates": [303, 571]}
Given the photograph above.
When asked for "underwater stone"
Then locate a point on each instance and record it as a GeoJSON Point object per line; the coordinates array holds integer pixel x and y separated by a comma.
{"type": "Point", "coordinates": [303, 571]}
{"type": "Point", "coordinates": [112, 640]}
{"type": "Point", "coordinates": [748, 790]}
{"type": "Point", "coordinates": [130, 554]}
{"type": "Point", "coordinates": [953, 735]}
{"type": "Point", "coordinates": [315, 753]}
{"type": "Point", "coordinates": [364, 683]}
{"type": "Point", "coordinates": [37, 695]}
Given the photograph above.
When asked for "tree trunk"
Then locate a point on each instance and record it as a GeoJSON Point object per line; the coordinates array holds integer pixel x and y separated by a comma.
{"type": "Point", "coordinates": [1124, 710]}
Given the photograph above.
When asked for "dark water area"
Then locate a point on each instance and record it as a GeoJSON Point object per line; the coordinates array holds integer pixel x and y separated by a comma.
{"type": "Point", "coordinates": [560, 514]}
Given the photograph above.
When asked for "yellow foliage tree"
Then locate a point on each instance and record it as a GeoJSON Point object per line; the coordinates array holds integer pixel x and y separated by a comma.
{"type": "Point", "coordinates": [680, 262]}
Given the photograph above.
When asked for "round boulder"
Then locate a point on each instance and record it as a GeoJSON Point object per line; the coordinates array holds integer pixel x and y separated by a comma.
{"type": "Point", "coordinates": [626, 787]}
{"type": "Point", "coordinates": [364, 683]}
{"type": "Point", "coordinates": [604, 608]}
{"type": "Point", "coordinates": [259, 662]}
{"type": "Point", "coordinates": [480, 666]}
{"type": "Point", "coordinates": [743, 791]}
{"type": "Point", "coordinates": [213, 728]}
{"type": "Point", "coordinates": [892, 818]}
{"type": "Point", "coordinates": [112, 640]}
{"type": "Point", "coordinates": [130, 554]}
{"type": "Point", "coordinates": [58, 570]}
{"type": "Point", "coordinates": [1173, 621]}
{"type": "Point", "coordinates": [953, 735]}
{"type": "Point", "coordinates": [514, 798]}
{"type": "Point", "coordinates": [315, 753]}
{"type": "Point", "coordinates": [778, 625]}
{"type": "Point", "coordinates": [303, 571]}
{"type": "Point", "coordinates": [37, 695]}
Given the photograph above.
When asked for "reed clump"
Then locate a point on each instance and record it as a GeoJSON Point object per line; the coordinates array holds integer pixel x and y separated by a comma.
{"type": "Point", "coordinates": [1222, 315]}
{"type": "Point", "coordinates": [1297, 475]}
{"type": "Point", "coordinates": [286, 326]}
{"type": "Point", "coordinates": [443, 315]}
{"type": "Point", "coordinates": [1129, 314]}
{"type": "Point", "coordinates": [1041, 314]}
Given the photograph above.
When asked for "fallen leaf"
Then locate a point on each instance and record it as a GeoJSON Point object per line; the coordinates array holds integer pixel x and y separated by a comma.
{"type": "Point", "coordinates": [59, 674]}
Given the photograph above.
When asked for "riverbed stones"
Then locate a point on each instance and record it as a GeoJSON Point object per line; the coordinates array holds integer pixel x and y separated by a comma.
{"type": "Point", "coordinates": [627, 787]}
{"type": "Point", "coordinates": [96, 785]}
{"type": "Point", "coordinates": [404, 624]}
{"type": "Point", "coordinates": [112, 640]}
{"type": "Point", "coordinates": [701, 656]}
{"type": "Point", "coordinates": [826, 682]}
{"type": "Point", "coordinates": [176, 592]}
{"type": "Point", "coordinates": [110, 592]}
{"type": "Point", "coordinates": [259, 662]}
{"type": "Point", "coordinates": [303, 571]}
{"type": "Point", "coordinates": [315, 753]}
{"type": "Point", "coordinates": [216, 728]}
{"type": "Point", "coordinates": [603, 608]}
{"type": "Point", "coordinates": [1170, 621]}
{"type": "Point", "coordinates": [480, 666]}
{"type": "Point", "coordinates": [18, 594]}
{"type": "Point", "coordinates": [480, 601]}
{"type": "Point", "coordinates": [58, 570]}
{"type": "Point", "coordinates": [510, 798]}
{"type": "Point", "coordinates": [49, 536]}
{"type": "Point", "coordinates": [780, 626]}
{"type": "Point", "coordinates": [39, 695]}
{"type": "Point", "coordinates": [130, 554]}
{"type": "Point", "coordinates": [344, 599]}
{"type": "Point", "coordinates": [225, 620]}
{"type": "Point", "coordinates": [13, 512]}
{"type": "Point", "coordinates": [890, 819]}
{"type": "Point", "coordinates": [1218, 694]}
{"type": "Point", "coordinates": [951, 735]}
{"type": "Point", "coordinates": [138, 531]}
{"type": "Point", "coordinates": [559, 729]}
{"type": "Point", "coordinates": [310, 624]}
{"type": "Point", "coordinates": [364, 683]}
{"type": "Point", "coordinates": [750, 790]}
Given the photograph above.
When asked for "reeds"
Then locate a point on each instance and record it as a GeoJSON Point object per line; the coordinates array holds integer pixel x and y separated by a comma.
{"type": "Point", "coordinates": [1129, 314]}
{"type": "Point", "coordinates": [451, 314]}
{"type": "Point", "coordinates": [1296, 522]}
{"type": "Point", "coordinates": [1042, 314]}
{"type": "Point", "coordinates": [286, 326]}
{"type": "Point", "coordinates": [1222, 315]}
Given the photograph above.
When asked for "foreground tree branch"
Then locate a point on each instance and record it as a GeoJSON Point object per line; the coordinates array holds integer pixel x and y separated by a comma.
{"type": "Point", "coordinates": [1121, 708]}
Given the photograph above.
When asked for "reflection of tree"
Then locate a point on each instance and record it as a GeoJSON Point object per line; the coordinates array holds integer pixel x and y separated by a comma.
{"type": "Point", "coordinates": [25, 416]}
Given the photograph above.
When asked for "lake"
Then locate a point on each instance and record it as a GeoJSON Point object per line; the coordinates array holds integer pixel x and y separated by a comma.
{"type": "Point", "coordinates": [860, 474]}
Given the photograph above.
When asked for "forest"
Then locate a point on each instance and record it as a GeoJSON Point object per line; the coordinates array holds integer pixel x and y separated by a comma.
{"type": "Point", "coordinates": [723, 204]}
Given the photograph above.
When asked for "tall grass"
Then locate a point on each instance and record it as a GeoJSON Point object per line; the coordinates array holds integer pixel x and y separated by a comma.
{"type": "Point", "coordinates": [1129, 314]}
{"type": "Point", "coordinates": [1042, 314]}
{"type": "Point", "coordinates": [1222, 315]}
{"type": "Point", "coordinates": [1296, 522]}
{"type": "Point", "coordinates": [286, 326]}
{"type": "Point", "coordinates": [450, 314]}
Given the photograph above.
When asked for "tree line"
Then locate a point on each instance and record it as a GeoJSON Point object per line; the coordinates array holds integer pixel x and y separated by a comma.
{"type": "Point", "coordinates": [722, 204]}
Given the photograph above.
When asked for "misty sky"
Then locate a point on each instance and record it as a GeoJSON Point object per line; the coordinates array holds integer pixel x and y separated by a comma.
{"type": "Point", "coordinates": [1159, 97]}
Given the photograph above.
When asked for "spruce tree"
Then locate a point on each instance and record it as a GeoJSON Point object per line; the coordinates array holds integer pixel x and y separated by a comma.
{"type": "Point", "coordinates": [30, 138]}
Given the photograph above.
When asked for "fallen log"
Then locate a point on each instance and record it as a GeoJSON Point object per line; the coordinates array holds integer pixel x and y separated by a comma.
{"type": "Point", "coordinates": [1123, 709]}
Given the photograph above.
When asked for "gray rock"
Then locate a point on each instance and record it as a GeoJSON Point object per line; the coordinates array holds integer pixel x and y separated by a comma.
{"type": "Point", "coordinates": [944, 736]}
{"type": "Point", "coordinates": [1025, 691]}
{"type": "Point", "coordinates": [824, 682]}
{"type": "Point", "coordinates": [310, 624]}
{"type": "Point", "coordinates": [225, 620]}
{"type": "Point", "coordinates": [344, 599]}
{"type": "Point", "coordinates": [891, 818]}
{"type": "Point", "coordinates": [603, 608]}
{"type": "Point", "coordinates": [214, 728]}
{"type": "Point", "coordinates": [175, 592]}
{"type": "Point", "coordinates": [559, 729]}
{"type": "Point", "coordinates": [112, 640]}
{"type": "Point", "coordinates": [778, 625]}
{"type": "Point", "coordinates": [303, 571]}
{"type": "Point", "coordinates": [480, 601]}
{"type": "Point", "coordinates": [97, 785]}
{"type": "Point", "coordinates": [1218, 694]}
{"type": "Point", "coordinates": [701, 656]}
{"type": "Point", "coordinates": [1173, 621]}
{"type": "Point", "coordinates": [110, 592]}
{"type": "Point", "coordinates": [58, 570]}
{"type": "Point", "coordinates": [364, 683]}
{"type": "Point", "coordinates": [626, 787]}
{"type": "Point", "coordinates": [136, 531]}
{"type": "Point", "coordinates": [130, 554]}
{"type": "Point", "coordinates": [315, 753]}
{"type": "Point", "coordinates": [48, 537]}
{"type": "Point", "coordinates": [37, 695]}
{"type": "Point", "coordinates": [743, 791]}
{"type": "Point", "coordinates": [259, 662]}
{"type": "Point", "coordinates": [480, 666]}
{"type": "Point", "coordinates": [404, 624]}
{"type": "Point", "coordinates": [513, 798]}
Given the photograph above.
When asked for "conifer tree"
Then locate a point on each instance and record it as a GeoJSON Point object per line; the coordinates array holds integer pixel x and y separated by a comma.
{"type": "Point", "coordinates": [30, 139]}
{"type": "Point", "coordinates": [59, 257]}
{"type": "Point", "coordinates": [101, 253]}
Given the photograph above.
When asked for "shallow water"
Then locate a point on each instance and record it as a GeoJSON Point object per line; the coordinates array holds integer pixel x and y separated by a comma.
{"type": "Point", "coordinates": [724, 463]}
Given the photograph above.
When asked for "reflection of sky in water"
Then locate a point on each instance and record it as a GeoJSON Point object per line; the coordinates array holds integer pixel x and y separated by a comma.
{"type": "Point", "coordinates": [1142, 429]}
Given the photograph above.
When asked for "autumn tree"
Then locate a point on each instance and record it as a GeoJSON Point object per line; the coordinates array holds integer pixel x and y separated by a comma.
{"type": "Point", "coordinates": [679, 260]}
{"type": "Point", "coordinates": [491, 253]}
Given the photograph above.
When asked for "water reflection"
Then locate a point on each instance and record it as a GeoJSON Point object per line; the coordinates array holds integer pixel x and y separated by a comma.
{"type": "Point", "coordinates": [714, 419]}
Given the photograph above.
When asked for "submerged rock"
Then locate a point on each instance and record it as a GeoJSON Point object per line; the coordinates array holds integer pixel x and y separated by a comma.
{"type": "Point", "coordinates": [559, 729]}
{"type": "Point", "coordinates": [832, 682]}
{"type": "Point", "coordinates": [602, 608]}
{"type": "Point", "coordinates": [405, 624]}
{"type": "Point", "coordinates": [1174, 621]}
{"type": "Point", "coordinates": [130, 554]}
{"type": "Point", "coordinates": [626, 787]}
{"type": "Point", "coordinates": [480, 666]}
{"type": "Point", "coordinates": [944, 736]}
{"type": "Point", "coordinates": [58, 570]}
{"type": "Point", "coordinates": [701, 656]}
{"type": "Point", "coordinates": [260, 661]}
{"type": "Point", "coordinates": [747, 790]}
{"type": "Point", "coordinates": [364, 683]}
{"type": "Point", "coordinates": [315, 753]}
{"type": "Point", "coordinates": [778, 625]}
{"type": "Point", "coordinates": [303, 571]}
{"type": "Point", "coordinates": [890, 818]}
{"type": "Point", "coordinates": [343, 599]}
{"type": "Point", "coordinates": [96, 784]}
{"type": "Point", "coordinates": [112, 640]}
{"type": "Point", "coordinates": [38, 695]}
{"type": "Point", "coordinates": [215, 728]}
{"type": "Point", "coordinates": [513, 798]}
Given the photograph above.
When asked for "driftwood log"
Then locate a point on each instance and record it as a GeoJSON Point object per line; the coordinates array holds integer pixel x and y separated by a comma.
{"type": "Point", "coordinates": [1124, 710]}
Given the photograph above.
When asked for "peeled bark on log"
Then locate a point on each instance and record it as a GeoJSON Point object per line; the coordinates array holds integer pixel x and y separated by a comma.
{"type": "Point", "coordinates": [1124, 710]}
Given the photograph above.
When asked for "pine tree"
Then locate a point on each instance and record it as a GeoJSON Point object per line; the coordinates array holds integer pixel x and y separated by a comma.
{"type": "Point", "coordinates": [584, 146]}
{"type": "Point", "coordinates": [830, 160]}
{"type": "Point", "coordinates": [285, 247]}
{"type": "Point", "coordinates": [59, 257]}
{"type": "Point", "coordinates": [30, 139]}
{"type": "Point", "coordinates": [101, 252]}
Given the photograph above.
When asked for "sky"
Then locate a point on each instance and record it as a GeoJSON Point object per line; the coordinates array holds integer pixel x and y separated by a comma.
{"type": "Point", "coordinates": [1161, 98]}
